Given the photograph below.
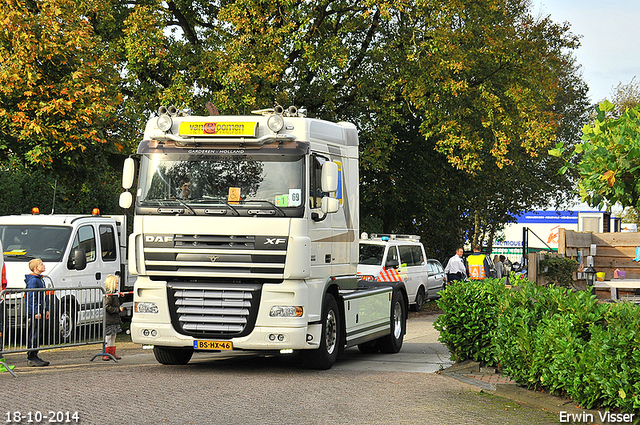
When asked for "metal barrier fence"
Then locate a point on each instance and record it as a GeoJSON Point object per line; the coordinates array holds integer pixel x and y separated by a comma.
{"type": "Point", "coordinates": [47, 318]}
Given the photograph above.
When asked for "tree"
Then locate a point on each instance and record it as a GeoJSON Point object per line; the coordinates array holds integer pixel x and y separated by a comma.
{"type": "Point", "coordinates": [608, 158]}
{"type": "Point", "coordinates": [57, 102]}
{"type": "Point", "coordinates": [455, 102]}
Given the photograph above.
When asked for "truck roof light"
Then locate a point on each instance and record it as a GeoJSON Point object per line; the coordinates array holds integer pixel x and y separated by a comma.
{"type": "Point", "coordinates": [275, 123]}
{"type": "Point", "coordinates": [35, 210]}
{"type": "Point", "coordinates": [162, 110]}
{"type": "Point", "coordinates": [164, 122]}
{"type": "Point", "coordinates": [95, 211]}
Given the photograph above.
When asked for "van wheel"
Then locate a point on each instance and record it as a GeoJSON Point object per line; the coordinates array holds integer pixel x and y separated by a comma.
{"type": "Point", "coordinates": [67, 321]}
{"type": "Point", "coordinates": [419, 300]}
{"type": "Point", "coordinates": [325, 356]}
{"type": "Point", "coordinates": [392, 343]}
{"type": "Point", "coordinates": [172, 356]}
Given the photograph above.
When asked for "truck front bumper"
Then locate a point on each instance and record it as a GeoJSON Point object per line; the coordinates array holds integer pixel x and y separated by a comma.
{"type": "Point", "coordinates": [261, 338]}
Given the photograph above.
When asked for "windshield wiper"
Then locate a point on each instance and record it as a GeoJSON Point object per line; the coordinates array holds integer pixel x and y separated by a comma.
{"type": "Point", "coordinates": [186, 205]}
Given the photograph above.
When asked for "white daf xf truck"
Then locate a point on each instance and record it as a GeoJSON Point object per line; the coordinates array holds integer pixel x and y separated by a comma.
{"type": "Point", "coordinates": [245, 237]}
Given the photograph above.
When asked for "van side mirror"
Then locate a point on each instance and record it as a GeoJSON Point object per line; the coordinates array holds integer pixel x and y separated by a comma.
{"type": "Point", "coordinates": [329, 176]}
{"type": "Point", "coordinates": [392, 264]}
{"type": "Point", "coordinates": [78, 260]}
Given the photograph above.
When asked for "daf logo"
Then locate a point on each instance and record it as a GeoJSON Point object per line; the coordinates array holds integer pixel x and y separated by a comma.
{"type": "Point", "coordinates": [274, 241]}
{"type": "Point", "coordinates": [158, 239]}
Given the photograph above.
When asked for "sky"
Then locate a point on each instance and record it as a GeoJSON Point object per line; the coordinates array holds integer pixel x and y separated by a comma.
{"type": "Point", "coordinates": [610, 43]}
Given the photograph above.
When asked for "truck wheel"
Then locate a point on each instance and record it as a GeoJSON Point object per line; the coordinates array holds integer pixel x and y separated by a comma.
{"type": "Point", "coordinates": [392, 343]}
{"type": "Point", "coordinates": [67, 321]}
{"type": "Point", "coordinates": [325, 356]}
{"type": "Point", "coordinates": [419, 299]}
{"type": "Point", "coordinates": [172, 356]}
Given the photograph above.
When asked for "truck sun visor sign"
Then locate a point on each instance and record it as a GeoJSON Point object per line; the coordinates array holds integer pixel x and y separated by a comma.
{"type": "Point", "coordinates": [219, 129]}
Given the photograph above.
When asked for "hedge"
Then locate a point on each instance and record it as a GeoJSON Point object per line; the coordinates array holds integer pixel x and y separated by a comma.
{"type": "Point", "coordinates": [549, 338]}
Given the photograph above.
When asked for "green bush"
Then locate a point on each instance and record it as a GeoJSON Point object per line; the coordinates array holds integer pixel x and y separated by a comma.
{"type": "Point", "coordinates": [609, 371]}
{"type": "Point", "coordinates": [550, 338]}
{"type": "Point", "coordinates": [469, 320]}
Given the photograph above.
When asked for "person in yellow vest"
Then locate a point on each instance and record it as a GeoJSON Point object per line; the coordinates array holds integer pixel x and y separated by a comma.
{"type": "Point", "coordinates": [479, 266]}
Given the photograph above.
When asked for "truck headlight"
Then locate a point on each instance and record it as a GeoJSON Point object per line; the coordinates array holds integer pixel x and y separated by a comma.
{"type": "Point", "coordinates": [285, 311]}
{"type": "Point", "coordinates": [146, 308]}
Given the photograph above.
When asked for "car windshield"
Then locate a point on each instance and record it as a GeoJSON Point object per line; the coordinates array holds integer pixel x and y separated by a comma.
{"type": "Point", "coordinates": [233, 181]}
{"type": "Point", "coordinates": [371, 254]}
{"type": "Point", "coordinates": [26, 242]}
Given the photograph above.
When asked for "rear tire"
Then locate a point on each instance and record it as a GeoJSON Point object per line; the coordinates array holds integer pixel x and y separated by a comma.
{"type": "Point", "coordinates": [172, 356]}
{"type": "Point", "coordinates": [325, 356]}
{"type": "Point", "coordinates": [420, 299]}
{"type": "Point", "coordinates": [392, 343]}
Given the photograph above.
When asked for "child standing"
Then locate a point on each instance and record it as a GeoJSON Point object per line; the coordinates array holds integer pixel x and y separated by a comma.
{"type": "Point", "coordinates": [37, 311]}
{"type": "Point", "coordinates": [113, 309]}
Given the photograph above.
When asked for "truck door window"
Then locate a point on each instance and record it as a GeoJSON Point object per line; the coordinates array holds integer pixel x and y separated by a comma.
{"type": "Point", "coordinates": [107, 243]}
{"type": "Point", "coordinates": [315, 182]}
{"type": "Point", "coordinates": [85, 239]}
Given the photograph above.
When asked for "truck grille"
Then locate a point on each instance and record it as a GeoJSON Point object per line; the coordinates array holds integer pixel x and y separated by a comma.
{"type": "Point", "coordinates": [216, 256]}
{"type": "Point", "coordinates": [214, 310]}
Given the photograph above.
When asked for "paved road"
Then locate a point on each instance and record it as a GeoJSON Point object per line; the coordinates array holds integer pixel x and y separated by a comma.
{"type": "Point", "coordinates": [250, 389]}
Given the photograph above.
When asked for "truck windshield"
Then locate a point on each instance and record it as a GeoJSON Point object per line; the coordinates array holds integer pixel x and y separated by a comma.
{"type": "Point", "coordinates": [234, 182]}
{"type": "Point", "coordinates": [371, 254]}
{"type": "Point", "coordinates": [26, 242]}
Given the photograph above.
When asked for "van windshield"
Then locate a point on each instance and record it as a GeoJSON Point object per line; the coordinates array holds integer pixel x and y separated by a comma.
{"type": "Point", "coordinates": [371, 254]}
{"type": "Point", "coordinates": [26, 242]}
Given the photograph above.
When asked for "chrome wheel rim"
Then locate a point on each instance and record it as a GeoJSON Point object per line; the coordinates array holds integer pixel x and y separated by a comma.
{"type": "Point", "coordinates": [331, 335]}
{"type": "Point", "coordinates": [397, 320]}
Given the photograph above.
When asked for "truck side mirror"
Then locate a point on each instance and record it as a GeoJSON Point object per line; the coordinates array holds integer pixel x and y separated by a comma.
{"type": "Point", "coordinates": [329, 205]}
{"type": "Point", "coordinates": [78, 260]}
{"type": "Point", "coordinates": [128, 173]}
{"type": "Point", "coordinates": [329, 176]}
{"type": "Point", "coordinates": [126, 199]}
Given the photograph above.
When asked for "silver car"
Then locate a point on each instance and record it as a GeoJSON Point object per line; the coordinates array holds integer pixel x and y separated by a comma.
{"type": "Point", "coordinates": [437, 278]}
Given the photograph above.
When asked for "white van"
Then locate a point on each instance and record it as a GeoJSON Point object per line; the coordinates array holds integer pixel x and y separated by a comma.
{"type": "Point", "coordinates": [394, 258]}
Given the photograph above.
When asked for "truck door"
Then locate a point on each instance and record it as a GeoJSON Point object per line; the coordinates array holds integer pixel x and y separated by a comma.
{"type": "Point", "coordinates": [320, 230]}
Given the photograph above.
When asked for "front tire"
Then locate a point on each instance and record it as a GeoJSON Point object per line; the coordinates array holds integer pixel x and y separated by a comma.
{"type": "Point", "coordinates": [392, 343]}
{"type": "Point", "coordinates": [172, 356]}
{"type": "Point", "coordinates": [325, 356]}
{"type": "Point", "coordinates": [67, 321]}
